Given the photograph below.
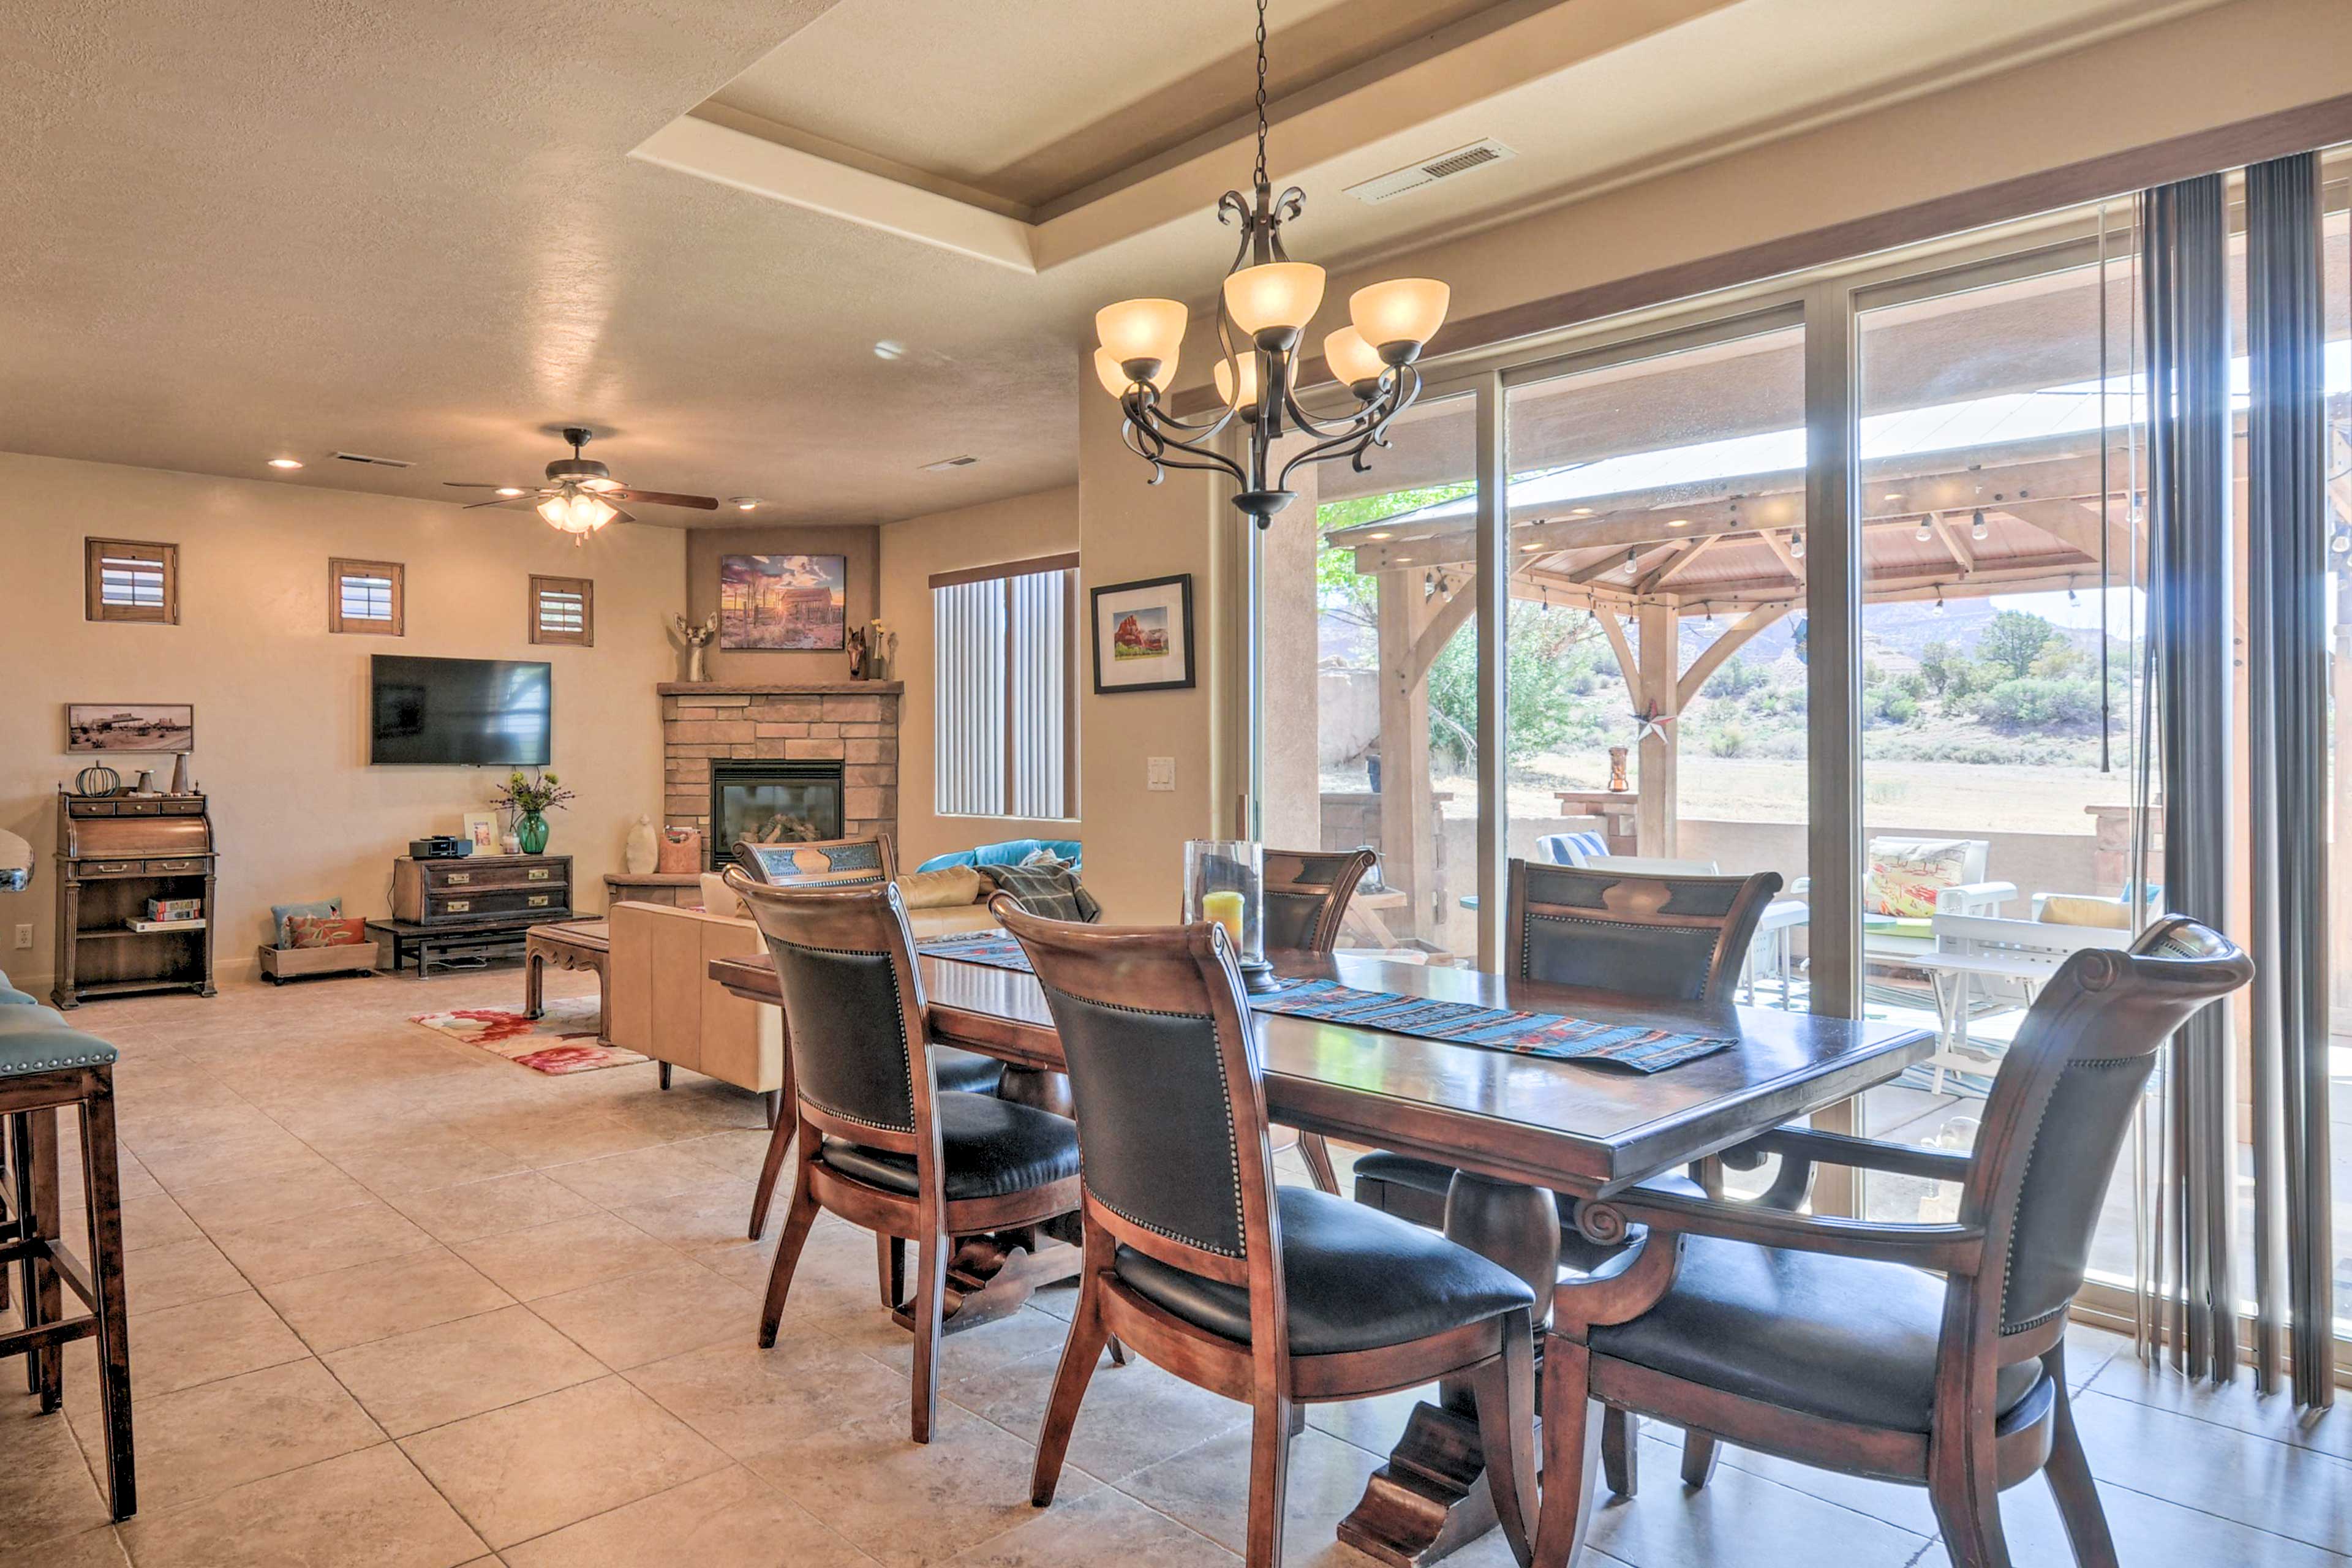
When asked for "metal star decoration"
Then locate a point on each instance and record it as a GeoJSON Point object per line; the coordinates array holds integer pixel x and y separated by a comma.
{"type": "Point", "coordinates": [1648, 723]}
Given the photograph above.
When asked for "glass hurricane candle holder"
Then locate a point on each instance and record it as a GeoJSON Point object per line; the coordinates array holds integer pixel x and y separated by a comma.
{"type": "Point", "coordinates": [1225, 881]}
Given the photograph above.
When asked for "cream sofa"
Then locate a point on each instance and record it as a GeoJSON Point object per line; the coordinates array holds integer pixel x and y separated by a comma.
{"type": "Point", "coordinates": [662, 1002]}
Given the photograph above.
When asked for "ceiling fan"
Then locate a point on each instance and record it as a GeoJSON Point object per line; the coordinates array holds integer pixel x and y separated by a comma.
{"type": "Point", "coordinates": [580, 492]}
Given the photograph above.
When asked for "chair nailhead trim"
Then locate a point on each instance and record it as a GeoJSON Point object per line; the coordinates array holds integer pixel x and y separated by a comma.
{"type": "Point", "coordinates": [906, 1056]}
{"type": "Point", "coordinates": [91, 1060]}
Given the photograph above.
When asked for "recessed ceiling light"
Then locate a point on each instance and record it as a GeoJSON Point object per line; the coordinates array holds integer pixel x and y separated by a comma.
{"type": "Point", "coordinates": [1580, 511]}
{"type": "Point", "coordinates": [742, 503]}
{"type": "Point", "coordinates": [1404, 560]}
{"type": "Point", "coordinates": [285, 462]}
{"type": "Point", "coordinates": [1678, 522]}
{"type": "Point", "coordinates": [1531, 546]}
{"type": "Point", "coordinates": [510, 491]}
{"type": "Point", "coordinates": [1383, 533]}
{"type": "Point", "coordinates": [889, 348]}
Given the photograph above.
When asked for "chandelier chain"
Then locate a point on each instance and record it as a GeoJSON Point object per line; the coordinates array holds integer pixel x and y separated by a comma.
{"type": "Point", "coordinates": [1261, 92]}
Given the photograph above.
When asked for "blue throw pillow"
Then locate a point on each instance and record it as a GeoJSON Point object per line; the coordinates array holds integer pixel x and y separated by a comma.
{"type": "Point", "coordinates": [282, 913]}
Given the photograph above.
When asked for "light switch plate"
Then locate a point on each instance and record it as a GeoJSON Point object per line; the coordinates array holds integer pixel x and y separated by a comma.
{"type": "Point", "coordinates": [1159, 773]}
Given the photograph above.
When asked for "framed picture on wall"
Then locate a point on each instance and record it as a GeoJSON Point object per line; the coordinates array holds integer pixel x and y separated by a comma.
{"type": "Point", "coordinates": [783, 603]}
{"type": "Point", "coordinates": [1143, 634]}
{"type": "Point", "coordinates": [151, 726]}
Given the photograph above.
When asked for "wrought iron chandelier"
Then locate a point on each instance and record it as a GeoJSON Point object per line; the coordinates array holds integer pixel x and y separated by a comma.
{"type": "Point", "coordinates": [1262, 312]}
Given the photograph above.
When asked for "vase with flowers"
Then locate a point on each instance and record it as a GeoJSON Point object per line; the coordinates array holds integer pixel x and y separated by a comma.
{"type": "Point", "coordinates": [531, 799]}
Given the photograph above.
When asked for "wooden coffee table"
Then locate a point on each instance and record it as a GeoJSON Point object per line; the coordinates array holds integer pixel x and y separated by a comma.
{"type": "Point", "coordinates": [571, 944]}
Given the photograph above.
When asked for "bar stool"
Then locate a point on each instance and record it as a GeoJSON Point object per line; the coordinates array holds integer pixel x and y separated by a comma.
{"type": "Point", "coordinates": [46, 1066]}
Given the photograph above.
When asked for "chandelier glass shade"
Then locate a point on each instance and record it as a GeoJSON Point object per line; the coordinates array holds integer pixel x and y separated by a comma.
{"type": "Point", "coordinates": [1264, 310]}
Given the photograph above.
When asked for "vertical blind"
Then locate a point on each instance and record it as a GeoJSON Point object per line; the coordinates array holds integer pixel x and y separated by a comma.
{"type": "Point", "coordinates": [1004, 720]}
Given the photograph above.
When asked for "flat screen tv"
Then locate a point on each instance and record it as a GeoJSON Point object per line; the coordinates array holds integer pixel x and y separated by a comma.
{"type": "Point", "coordinates": [488, 712]}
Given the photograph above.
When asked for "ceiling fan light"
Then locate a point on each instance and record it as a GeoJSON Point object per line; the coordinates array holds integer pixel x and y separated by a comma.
{"type": "Point", "coordinates": [578, 512]}
{"type": "Point", "coordinates": [1400, 316]}
{"type": "Point", "coordinates": [1354, 363]}
{"type": "Point", "coordinates": [1143, 333]}
{"type": "Point", "coordinates": [510, 491]}
{"type": "Point", "coordinates": [1274, 301]}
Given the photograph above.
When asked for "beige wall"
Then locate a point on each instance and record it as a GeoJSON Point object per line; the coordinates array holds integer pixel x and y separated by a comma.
{"type": "Point", "coordinates": [1015, 529]}
{"type": "Point", "coordinates": [281, 705]}
{"type": "Point", "coordinates": [1130, 530]}
{"type": "Point", "coordinates": [861, 543]}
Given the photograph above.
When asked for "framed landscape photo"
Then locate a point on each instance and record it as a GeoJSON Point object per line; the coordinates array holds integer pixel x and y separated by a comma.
{"type": "Point", "coordinates": [150, 727]}
{"type": "Point", "coordinates": [783, 603]}
{"type": "Point", "coordinates": [1143, 634]}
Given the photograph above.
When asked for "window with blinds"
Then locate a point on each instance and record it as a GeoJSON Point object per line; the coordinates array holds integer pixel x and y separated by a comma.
{"type": "Point", "coordinates": [563, 610]}
{"type": "Point", "coordinates": [131, 580]}
{"type": "Point", "coordinates": [1003, 652]}
{"type": "Point", "coordinates": [364, 596]}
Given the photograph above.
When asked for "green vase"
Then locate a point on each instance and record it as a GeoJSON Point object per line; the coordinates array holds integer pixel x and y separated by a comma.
{"type": "Point", "coordinates": [531, 829]}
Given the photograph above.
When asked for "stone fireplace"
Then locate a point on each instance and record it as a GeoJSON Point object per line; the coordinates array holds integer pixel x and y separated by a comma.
{"type": "Point", "coordinates": [779, 756]}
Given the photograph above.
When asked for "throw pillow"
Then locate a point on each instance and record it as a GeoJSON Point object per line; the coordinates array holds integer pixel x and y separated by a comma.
{"type": "Point", "coordinates": [280, 913]}
{"type": "Point", "coordinates": [1906, 877]}
{"type": "Point", "coordinates": [950, 888]}
{"type": "Point", "coordinates": [325, 931]}
{"type": "Point", "coordinates": [1053, 891]}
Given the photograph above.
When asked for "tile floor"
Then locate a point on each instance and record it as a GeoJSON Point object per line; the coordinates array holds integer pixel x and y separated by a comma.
{"type": "Point", "coordinates": [396, 1301]}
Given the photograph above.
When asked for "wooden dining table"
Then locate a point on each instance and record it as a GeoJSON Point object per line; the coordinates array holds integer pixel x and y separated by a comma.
{"type": "Point", "coordinates": [1517, 1129]}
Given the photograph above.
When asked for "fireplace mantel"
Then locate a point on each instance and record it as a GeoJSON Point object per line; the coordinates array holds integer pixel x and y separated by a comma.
{"type": "Point", "coordinates": [781, 688]}
{"type": "Point", "coordinates": [853, 723]}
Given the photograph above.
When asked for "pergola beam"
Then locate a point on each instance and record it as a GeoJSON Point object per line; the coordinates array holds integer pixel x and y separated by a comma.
{"type": "Point", "coordinates": [1717, 654]}
{"type": "Point", "coordinates": [1674, 568]}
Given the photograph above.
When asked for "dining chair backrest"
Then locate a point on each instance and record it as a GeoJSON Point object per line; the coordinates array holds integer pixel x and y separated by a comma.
{"type": "Point", "coordinates": [1672, 938]}
{"type": "Point", "coordinates": [2063, 1101]}
{"type": "Point", "coordinates": [1307, 894]}
{"type": "Point", "coordinates": [1164, 1084]}
{"type": "Point", "coordinates": [853, 1004]}
{"type": "Point", "coordinates": [830, 862]}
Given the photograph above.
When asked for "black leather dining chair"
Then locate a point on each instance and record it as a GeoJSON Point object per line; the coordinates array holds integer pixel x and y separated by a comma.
{"type": "Point", "coordinates": [1277, 1296]}
{"type": "Point", "coordinates": [1828, 1340]}
{"type": "Point", "coordinates": [844, 863]}
{"type": "Point", "coordinates": [1668, 937]}
{"type": "Point", "coordinates": [878, 1143]}
{"type": "Point", "coordinates": [1307, 894]}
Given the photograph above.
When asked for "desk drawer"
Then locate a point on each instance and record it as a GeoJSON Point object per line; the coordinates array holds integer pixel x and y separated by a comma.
{"type": "Point", "coordinates": [178, 867]}
{"type": "Point", "coordinates": [110, 868]}
{"type": "Point", "coordinates": [478, 876]}
{"type": "Point", "coordinates": [463, 904]}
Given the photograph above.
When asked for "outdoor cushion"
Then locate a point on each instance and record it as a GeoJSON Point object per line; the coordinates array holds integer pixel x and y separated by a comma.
{"type": "Point", "coordinates": [1571, 848]}
{"type": "Point", "coordinates": [38, 1039]}
{"type": "Point", "coordinates": [988, 1147]}
{"type": "Point", "coordinates": [2070, 910]}
{"type": "Point", "coordinates": [1905, 874]}
{"type": "Point", "coordinates": [1354, 1278]}
{"type": "Point", "coordinates": [1843, 1338]}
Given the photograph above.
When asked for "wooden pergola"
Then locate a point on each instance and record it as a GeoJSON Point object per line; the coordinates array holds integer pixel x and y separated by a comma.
{"type": "Point", "coordinates": [2055, 516]}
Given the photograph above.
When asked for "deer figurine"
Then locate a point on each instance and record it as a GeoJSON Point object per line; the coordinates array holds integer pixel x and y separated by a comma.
{"type": "Point", "coordinates": [697, 642]}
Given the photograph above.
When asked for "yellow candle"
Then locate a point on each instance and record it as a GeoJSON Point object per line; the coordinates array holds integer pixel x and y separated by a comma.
{"type": "Point", "coordinates": [1225, 909]}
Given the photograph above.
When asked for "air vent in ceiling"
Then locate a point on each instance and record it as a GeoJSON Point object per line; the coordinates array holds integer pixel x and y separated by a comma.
{"type": "Point", "coordinates": [946, 463]}
{"type": "Point", "coordinates": [373, 462]}
{"type": "Point", "coordinates": [1429, 171]}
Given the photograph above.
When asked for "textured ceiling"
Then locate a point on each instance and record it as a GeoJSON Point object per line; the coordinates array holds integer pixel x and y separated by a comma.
{"type": "Point", "coordinates": [242, 228]}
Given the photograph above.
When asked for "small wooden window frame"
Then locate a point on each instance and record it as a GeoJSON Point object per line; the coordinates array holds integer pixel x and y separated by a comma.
{"type": "Point", "coordinates": [166, 556]}
{"type": "Point", "coordinates": [339, 568]}
{"type": "Point", "coordinates": [584, 586]}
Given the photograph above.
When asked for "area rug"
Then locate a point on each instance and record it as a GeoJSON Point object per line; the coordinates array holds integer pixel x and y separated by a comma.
{"type": "Point", "coordinates": [561, 1040]}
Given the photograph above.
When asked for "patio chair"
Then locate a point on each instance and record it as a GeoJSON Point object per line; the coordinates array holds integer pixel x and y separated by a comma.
{"type": "Point", "coordinates": [1891, 937]}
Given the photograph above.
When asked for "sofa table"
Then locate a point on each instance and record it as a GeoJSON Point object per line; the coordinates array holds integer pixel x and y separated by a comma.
{"type": "Point", "coordinates": [573, 944]}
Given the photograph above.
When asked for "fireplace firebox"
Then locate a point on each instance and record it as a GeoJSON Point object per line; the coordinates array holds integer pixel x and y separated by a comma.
{"type": "Point", "coordinates": [771, 802]}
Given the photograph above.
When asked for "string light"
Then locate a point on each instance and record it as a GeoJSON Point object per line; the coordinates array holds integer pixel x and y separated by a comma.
{"type": "Point", "coordinates": [1977, 529]}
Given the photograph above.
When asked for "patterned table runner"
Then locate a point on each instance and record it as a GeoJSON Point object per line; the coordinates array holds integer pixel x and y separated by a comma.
{"type": "Point", "coordinates": [1553, 1036]}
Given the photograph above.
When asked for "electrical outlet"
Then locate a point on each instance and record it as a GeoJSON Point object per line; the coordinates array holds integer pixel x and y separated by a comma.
{"type": "Point", "coordinates": [23, 933]}
{"type": "Point", "coordinates": [1159, 773]}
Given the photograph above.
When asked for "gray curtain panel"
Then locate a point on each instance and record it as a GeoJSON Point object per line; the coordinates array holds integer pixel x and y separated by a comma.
{"type": "Point", "coordinates": [2286, 685]}
{"type": "Point", "coordinates": [2185, 304]}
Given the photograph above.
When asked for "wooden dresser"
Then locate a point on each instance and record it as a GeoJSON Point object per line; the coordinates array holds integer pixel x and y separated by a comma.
{"type": "Point", "coordinates": [478, 888]}
{"type": "Point", "coordinates": [113, 855]}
